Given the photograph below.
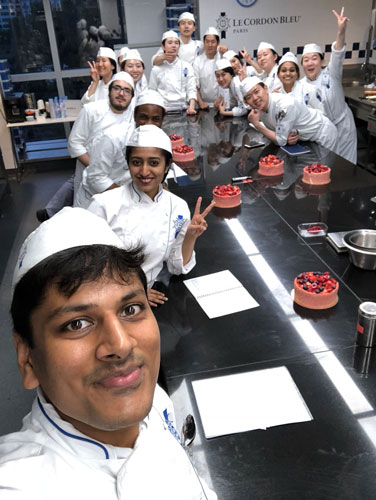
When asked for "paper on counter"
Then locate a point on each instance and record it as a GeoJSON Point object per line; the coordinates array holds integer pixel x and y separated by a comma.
{"type": "Point", "coordinates": [220, 293]}
{"type": "Point", "coordinates": [249, 401]}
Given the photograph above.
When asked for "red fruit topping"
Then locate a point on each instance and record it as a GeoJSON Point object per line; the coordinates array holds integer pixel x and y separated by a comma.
{"type": "Point", "coordinates": [228, 190]}
{"type": "Point", "coordinates": [270, 161]}
{"type": "Point", "coordinates": [315, 282]}
{"type": "Point", "coordinates": [314, 229]}
{"type": "Point", "coordinates": [316, 168]}
{"type": "Point", "coordinates": [175, 137]}
{"type": "Point", "coordinates": [183, 149]}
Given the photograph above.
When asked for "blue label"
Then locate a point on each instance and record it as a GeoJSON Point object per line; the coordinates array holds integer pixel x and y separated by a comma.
{"type": "Point", "coordinates": [185, 72]}
{"type": "Point", "coordinates": [178, 224]}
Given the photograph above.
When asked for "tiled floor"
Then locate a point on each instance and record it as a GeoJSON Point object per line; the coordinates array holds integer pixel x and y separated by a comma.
{"type": "Point", "coordinates": [17, 221]}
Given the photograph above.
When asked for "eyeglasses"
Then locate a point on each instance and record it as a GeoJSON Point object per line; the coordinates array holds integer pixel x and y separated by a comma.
{"type": "Point", "coordinates": [119, 89]}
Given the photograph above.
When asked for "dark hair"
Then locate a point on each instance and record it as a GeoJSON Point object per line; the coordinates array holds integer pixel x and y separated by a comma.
{"type": "Point", "coordinates": [216, 36]}
{"type": "Point", "coordinates": [227, 70]}
{"type": "Point", "coordinates": [167, 155]}
{"type": "Point", "coordinates": [112, 84]}
{"type": "Point", "coordinates": [67, 271]}
{"type": "Point", "coordinates": [122, 64]}
{"type": "Point", "coordinates": [164, 41]}
{"type": "Point", "coordinates": [296, 68]}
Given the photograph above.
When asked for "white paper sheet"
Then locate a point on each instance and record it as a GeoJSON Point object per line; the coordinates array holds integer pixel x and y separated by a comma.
{"type": "Point", "coordinates": [220, 293]}
{"type": "Point", "coordinates": [249, 401]}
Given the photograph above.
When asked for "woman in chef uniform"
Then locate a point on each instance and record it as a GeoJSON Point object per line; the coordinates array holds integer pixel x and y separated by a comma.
{"type": "Point", "coordinates": [267, 58]}
{"type": "Point", "coordinates": [288, 74]}
{"type": "Point", "coordinates": [174, 79]}
{"type": "Point", "coordinates": [133, 64]}
{"type": "Point", "coordinates": [238, 63]}
{"type": "Point", "coordinates": [101, 73]}
{"type": "Point", "coordinates": [329, 81]}
{"type": "Point", "coordinates": [142, 211]}
{"type": "Point", "coordinates": [230, 101]}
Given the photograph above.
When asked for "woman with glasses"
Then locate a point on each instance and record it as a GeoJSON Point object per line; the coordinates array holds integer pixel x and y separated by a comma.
{"type": "Point", "coordinates": [101, 72]}
{"type": "Point", "coordinates": [141, 210]}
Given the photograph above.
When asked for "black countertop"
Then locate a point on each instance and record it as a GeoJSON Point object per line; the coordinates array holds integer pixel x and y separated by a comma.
{"type": "Point", "coordinates": [332, 456]}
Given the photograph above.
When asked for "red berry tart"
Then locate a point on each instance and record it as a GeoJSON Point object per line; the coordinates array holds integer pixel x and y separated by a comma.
{"type": "Point", "coordinates": [176, 141]}
{"type": "Point", "coordinates": [315, 290]}
{"type": "Point", "coordinates": [316, 174]}
{"type": "Point", "coordinates": [183, 153]}
{"type": "Point", "coordinates": [227, 196]}
{"type": "Point", "coordinates": [270, 165]}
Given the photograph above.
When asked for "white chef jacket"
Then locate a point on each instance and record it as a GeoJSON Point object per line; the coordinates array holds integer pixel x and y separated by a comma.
{"type": "Point", "coordinates": [101, 92]}
{"type": "Point", "coordinates": [92, 121]}
{"type": "Point", "coordinates": [107, 164]}
{"type": "Point", "coordinates": [271, 80]}
{"type": "Point", "coordinates": [329, 81]}
{"type": "Point", "coordinates": [50, 459]}
{"type": "Point", "coordinates": [175, 82]}
{"type": "Point", "coordinates": [159, 225]}
{"type": "Point", "coordinates": [187, 51]}
{"type": "Point", "coordinates": [206, 81]}
{"type": "Point", "coordinates": [239, 108]}
{"type": "Point", "coordinates": [306, 93]}
{"type": "Point", "coordinates": [286, 114]}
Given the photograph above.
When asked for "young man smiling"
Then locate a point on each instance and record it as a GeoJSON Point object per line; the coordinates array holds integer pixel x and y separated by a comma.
{"type": "Point", "coordinates": [87, 340]}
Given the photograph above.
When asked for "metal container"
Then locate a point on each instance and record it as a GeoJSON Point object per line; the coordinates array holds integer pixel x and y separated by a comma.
{"type": "Point", "coordinates": [362, 248]}
{"type": "Point", "coordinates": [366, 326]}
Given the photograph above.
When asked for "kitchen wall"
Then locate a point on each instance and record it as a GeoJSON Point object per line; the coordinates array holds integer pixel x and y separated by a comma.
{"type": "Point", "coordinates": [288, 24]}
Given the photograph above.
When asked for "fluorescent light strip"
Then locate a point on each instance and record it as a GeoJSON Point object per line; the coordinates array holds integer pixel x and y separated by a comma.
{"type": "Point", "coordinates": [369, 426]}
{"type": "Point", "coordinates": [344, 384]}
{"type": "Point", "coordinates": [242, 237]}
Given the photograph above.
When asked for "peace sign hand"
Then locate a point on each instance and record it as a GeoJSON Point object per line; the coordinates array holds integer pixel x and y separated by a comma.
{"type": "Point", "coordinates": [198, 223]}
{"type": "Point", "coordinates": [341, 20]}
{"type": "Point", "coordinates": [93, 72]}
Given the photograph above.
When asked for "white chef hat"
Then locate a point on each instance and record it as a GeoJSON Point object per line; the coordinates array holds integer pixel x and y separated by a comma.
{"type": "Point", "coordinates": [69, 228]}
{"type": "Point", "coordinates": [248, 83]}
{"type": "Point", "coordinates": [265, 45]}
{"type": "Point", "coordinates": [186, 15]}
{"type": "Point", "coordinates": [106, 52]}
{"type": "Point", "coordinates": [222, 64]}
{"type": "Point", "coordinates": [169, 34]}
{"type": "Point", "coordinates": [132, 54]}
{"type": "Point", "coordinates": [229, 54]}
{"type": "Point", "coordinates": [150, 97]}
{"type": "Point", "coordinates": [288, 57]}
{"type": "Point", "coordinates": [122, 52]}
{"type": "Point", "coordinates": [211, 31]}
{"type": "Point", "coordinates": [124, 77]}
{"type": "Point", "coordinates": [150, 136]}
{"type": "Point", "coordinates": [310, 48]}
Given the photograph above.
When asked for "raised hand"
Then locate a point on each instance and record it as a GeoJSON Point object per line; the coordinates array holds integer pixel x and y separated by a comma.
{"type": "Point", "coordinates": [198, 223]}
{"type": "Point", "coordinates": [155, 298]}
{"type": "Point", "coordinates": [93, 72]}
{"type": "Point", "coordinates": [342, 20]}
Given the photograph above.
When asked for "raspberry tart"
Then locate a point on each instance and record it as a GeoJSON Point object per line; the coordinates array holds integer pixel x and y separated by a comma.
{"type": "Point", "coordinates": [176, 141]}
{"type": "Point", "coordinates": [316, 174]}
{"type": "Point", "coordinates": [270, 165]}
{"type": "Point", "coordinates": [183, 153]}
{"type": "Point", "coordinates": [315, 290]}
{"type": "Point", "coordinates": [227, 196]}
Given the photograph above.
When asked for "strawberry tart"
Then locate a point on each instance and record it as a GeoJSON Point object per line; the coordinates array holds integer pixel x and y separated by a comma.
{"type": "Point", "coordinates": [316, 174]}
{"type": "Point", "coordinates": [315, 290]}
{"type": "Point", "coordinates": [227, 196]}
{"type": "Point", "coordinates": [176, 141]}
{"type": "Point", "coordinates": [183, 153]}
{"type": "Point", "coordinates": [270, 165]}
